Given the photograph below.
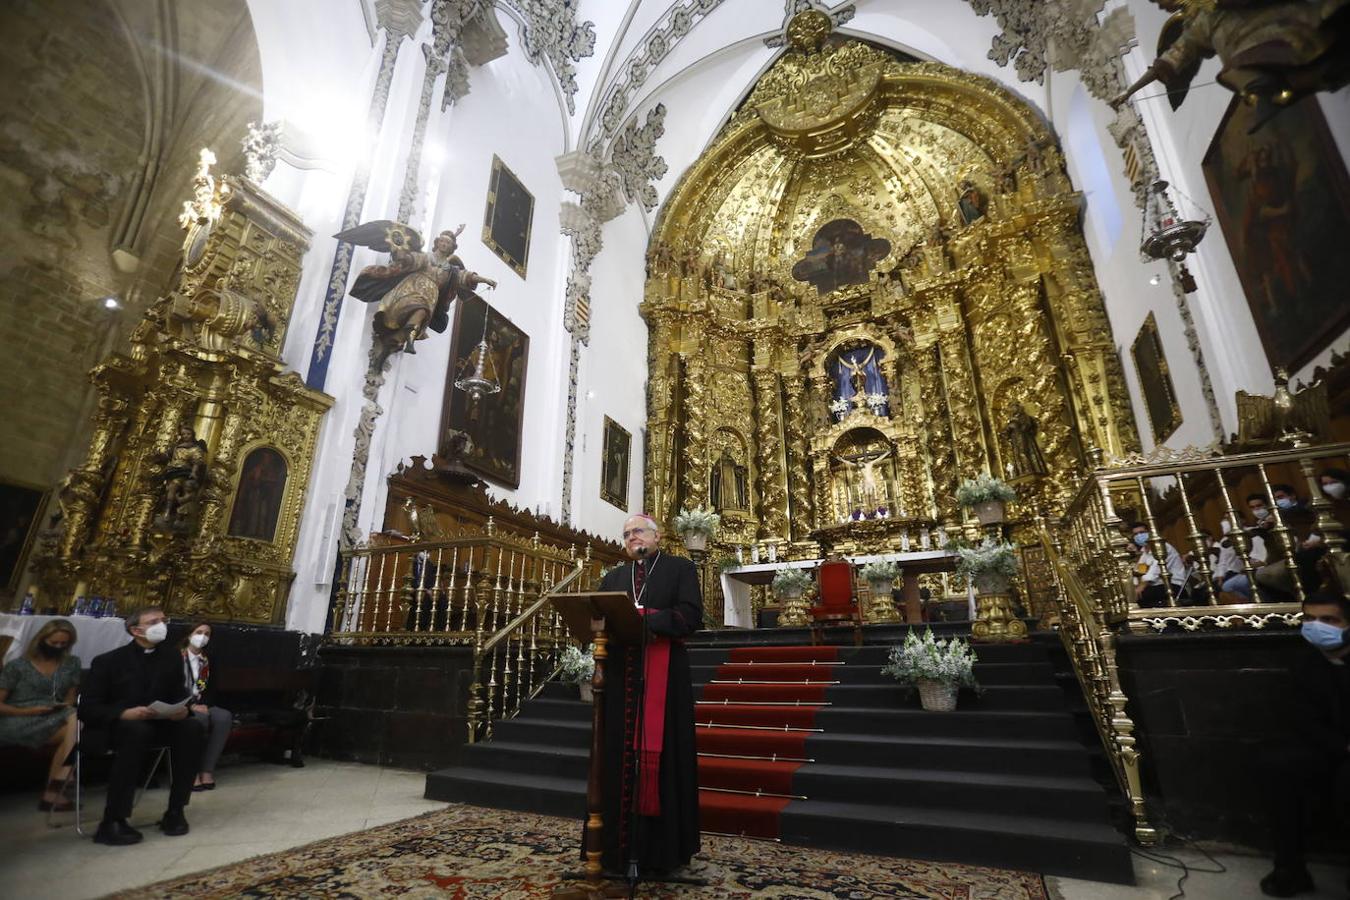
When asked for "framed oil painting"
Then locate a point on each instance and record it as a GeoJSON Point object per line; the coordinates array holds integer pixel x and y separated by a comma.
{"type": "Point", "coordinates": [510, 213]}
{"type": "Point", "coordinates": [841, 254]}
{"type": "Point", "coordinates": [492, 423]}
{"type": "Point", "coordinates": [20, 507]}
{"type": "Point", "coordinates": [1155, 382]}
{"type": "Point", "coordinates": [257, 500]}
{"type": "Point", "coordinates": [1282, 198]}
{"type": "Point", "coordinates": [617, 451]}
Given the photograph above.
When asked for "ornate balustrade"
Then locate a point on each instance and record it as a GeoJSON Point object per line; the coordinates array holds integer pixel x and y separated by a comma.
{"type": "Point", "coordinates": [488, 592]}
{"type": "Point", "coordinates": [1180, 498]}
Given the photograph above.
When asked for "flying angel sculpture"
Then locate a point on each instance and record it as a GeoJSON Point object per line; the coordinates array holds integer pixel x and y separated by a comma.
{"type": "Point", "coordinates": [416, 288]}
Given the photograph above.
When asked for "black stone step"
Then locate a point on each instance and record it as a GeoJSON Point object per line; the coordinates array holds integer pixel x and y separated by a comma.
{"type": "Point", "coordinates": [1053, 796]}
{"type": "Point", "coordinates": [522, 791]}
{"type": "Point", "coordinates": [1028, 651]}
{"type": "Point", "coordinates": [1071, 848]}
{"type": "Point", "coordinates": [983, 753]}
{"type": "Point", "coordinates": [963, 722]}
{"type": "Point", "coordinates": [563, 732]}
{"type": "Point", "coordinates": [534, 758]}
{"type": "Point", "coordinates": [1032, 674]}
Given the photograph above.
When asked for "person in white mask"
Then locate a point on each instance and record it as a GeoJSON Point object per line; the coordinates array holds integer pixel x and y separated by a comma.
{"type": "Point", "coordinates": [1312, 770]}
{"type": "Point", "coordinates": [215, 719]}
{"type": "Point", "coordinates": [137, 693]}
{"type": "Point", "coordinates": [1334, 483]}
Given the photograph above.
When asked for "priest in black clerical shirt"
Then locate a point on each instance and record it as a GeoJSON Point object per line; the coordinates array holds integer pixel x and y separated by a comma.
{"type": "Point", "coordinates": [118, 694]}
{"type": "Point", "coordinates": [651, 761]}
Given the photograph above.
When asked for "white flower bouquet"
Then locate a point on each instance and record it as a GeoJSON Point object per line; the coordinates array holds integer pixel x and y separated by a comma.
{"type": "Point", "coordinates": [984, 488]}
{"type": "Point", "coordinates": [944, 660]}
{"type": "Point", "coordinates": [698, 522]}
{"type": "Point", "coordinates": [577, 665]}
{"type": "Point", "coordinates": [880, 571]}
{"type": "Point", "coordinates": [790, 581]}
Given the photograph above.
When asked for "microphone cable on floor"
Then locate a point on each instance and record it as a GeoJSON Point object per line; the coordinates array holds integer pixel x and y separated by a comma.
{"type": "Point", "coordinates": [1173, 862]}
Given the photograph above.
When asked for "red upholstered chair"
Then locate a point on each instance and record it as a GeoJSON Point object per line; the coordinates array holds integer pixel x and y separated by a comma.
{"type": "Point", "coordinates": [838, 605]}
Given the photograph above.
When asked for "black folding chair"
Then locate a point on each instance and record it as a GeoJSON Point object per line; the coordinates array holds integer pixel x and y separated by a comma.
{"type": "Point", "coordinates": [161, 755]}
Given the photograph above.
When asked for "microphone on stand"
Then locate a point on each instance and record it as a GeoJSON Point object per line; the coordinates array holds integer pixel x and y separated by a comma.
{"type": "Point", "coordinates": [642, 551]}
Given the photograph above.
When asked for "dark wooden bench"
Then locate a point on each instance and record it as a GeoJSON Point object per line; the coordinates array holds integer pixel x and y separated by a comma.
{"type": "Point", "coordinates": [273, 709]}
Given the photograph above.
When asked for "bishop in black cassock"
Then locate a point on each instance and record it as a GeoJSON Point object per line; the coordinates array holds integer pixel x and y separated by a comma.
{"type": "Point", "coordinates": [662, 785]}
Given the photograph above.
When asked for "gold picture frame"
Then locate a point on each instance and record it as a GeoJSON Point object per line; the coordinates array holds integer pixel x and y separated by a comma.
{"type": "Point", "coordinates": [21, 509]}
{"type": "Point", "coordinates": [1155, 381]}
{"type": "Point", "coordinates": [616, 455]}
{"type": "Point", "coordinates": [509, 217]}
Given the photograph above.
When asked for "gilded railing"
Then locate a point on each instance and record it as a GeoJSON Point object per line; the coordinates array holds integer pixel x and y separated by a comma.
{"type": "Point", "coordinates": [1091, 646]}
{"type": "Point", "coordinates": [1182, 499]}
{"type": "Point", "coordinates": [488, 592]}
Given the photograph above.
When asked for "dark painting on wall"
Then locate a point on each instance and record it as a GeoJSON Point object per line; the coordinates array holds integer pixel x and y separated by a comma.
{"type": "Point", "coordinates": [1282, 198]}
{"type": "Point", "coordinates": [257, 502]}
{"type": "Point", "coordinates": [20, 506]}
{"type": "Point", "coordinates": [1155, 381]}
{"type": "Point", "coordinates": [614, 464]}
{"type": "Point", "coordinates": [510, 212]}
{"type": "Point", "coordinates": [841, 254]}
{"type": "Point", "coordinates": [492, 423]}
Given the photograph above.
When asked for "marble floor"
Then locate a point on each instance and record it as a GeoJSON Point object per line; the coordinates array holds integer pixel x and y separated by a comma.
{"type": "Point", "coordinates": [262, 808]}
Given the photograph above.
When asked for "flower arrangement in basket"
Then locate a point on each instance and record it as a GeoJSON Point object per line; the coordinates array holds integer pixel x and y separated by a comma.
{"type": "Point", "coordinates": [696, 526]}
{"type": "Point", "coordinates": [938, 667]}
{"type": "Point", "coordinates": [577, 667]}
{"type": "Point", "coordinates": [991, 565]}
{"type": "Point", "coordinates": [985, 494]}
{"type": "Point", "coordinates": [790, 583]}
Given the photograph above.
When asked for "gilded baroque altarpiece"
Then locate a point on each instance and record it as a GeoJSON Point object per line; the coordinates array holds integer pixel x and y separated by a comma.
{"type": "Point", "coordinates": [862, 292]}
{"type": "Point", "coordinates": [191, 490]}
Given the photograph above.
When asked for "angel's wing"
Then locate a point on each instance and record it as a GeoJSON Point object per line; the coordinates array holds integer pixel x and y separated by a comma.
{"type": "Point", "coordinates": [384, 235]}
{"type": "Point", "coordinates": [1179, 86]}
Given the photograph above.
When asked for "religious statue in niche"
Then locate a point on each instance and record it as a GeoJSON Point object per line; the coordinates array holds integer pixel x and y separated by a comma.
{"type": "Point", "coordinates": [182, 476]}
{"type": "Point", "coordinates": [841, 254]}
{"type": "Point", "coordinates": [1273, 52]}
{"type": "Point", "coordinates": [863, 487]}
{"type": "Point", "coordinates": [973, 204]}
{"type": "Point", "coordinates": [727, 488]}
{"type": "Point", "coordinates": [257, 502]}
{"type": "Point", "coordinates": [1020, 432]}
{"type": "Point", "coordinates": [416, 289]}
{"type": "Point", "coordinates": [858, 382]}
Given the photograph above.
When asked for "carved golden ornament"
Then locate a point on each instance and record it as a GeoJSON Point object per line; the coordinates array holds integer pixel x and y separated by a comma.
{"type": "Point", "coordinates": [148, 512]}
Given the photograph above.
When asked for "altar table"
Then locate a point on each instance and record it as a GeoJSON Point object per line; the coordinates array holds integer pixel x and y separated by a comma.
{"type": "Point", "coordinates": [736, 580]}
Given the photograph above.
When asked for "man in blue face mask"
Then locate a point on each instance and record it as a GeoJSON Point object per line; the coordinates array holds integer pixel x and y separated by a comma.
{"type": "Point", "coordinates": [1317, 771]}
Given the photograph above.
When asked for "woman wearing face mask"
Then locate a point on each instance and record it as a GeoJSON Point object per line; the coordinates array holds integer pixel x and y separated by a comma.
{"type": "Point", "coordinates": [216, 720]}
{"type": "Point", "coordinates": [37, 703]}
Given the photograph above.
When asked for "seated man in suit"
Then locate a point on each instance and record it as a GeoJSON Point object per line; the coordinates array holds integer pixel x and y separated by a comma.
{"type": "Point", "coordinates": [122, 685]}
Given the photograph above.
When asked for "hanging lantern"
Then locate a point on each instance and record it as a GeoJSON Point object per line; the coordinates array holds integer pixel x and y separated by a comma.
{"type": "Point", "coordinates": [480, 383]}
{"type": "Point", "coordinates": [1170, 235]}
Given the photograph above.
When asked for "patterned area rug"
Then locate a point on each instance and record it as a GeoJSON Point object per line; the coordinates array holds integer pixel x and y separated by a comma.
{"type": "Point", "coordinates": [470, 852]}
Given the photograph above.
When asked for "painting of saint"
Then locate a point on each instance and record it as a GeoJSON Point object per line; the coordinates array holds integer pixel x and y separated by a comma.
{"type": "Point", "coordinates": [257, 502]}
{"type": "Point", "coordinates": [493, 422]}
{"type": "Point", "coordinates": [841, 254]}
{"type": "Point", "coordinates": [614, 464]}
{"type": "Point", "coordinates": [1282, 197]}
{"type": "Point", "coordinates": [20, 507]}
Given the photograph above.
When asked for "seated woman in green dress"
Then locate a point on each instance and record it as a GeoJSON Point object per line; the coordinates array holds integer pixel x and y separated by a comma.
{"type": "Point", "coordinates": [37, 703]}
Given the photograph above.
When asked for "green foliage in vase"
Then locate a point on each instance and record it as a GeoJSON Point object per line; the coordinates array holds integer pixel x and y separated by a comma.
{"type": "Point", "coordinates": [983, 488]}
{"type": "Point", "coordinates": [697, 521]}
{"type": "Point", "coordinates": [928, 658]}
{"type": "Point", "coordinates": [577, 666]}
{"type": "Point", "coordinates": [790, 580]}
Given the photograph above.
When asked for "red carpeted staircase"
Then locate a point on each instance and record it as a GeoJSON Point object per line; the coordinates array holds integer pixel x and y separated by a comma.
{"type": "Point", "coordinates": [815, 747]}
{"type": "Point", "coordinates": [753, 720]}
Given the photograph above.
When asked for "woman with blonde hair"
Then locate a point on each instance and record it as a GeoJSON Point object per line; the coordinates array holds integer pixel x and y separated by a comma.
{"type": "Point", "coordinates": [37, 703]}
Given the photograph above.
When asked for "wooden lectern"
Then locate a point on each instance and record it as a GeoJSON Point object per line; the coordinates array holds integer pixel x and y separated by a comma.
{"type": "Point", "coordinates": [602, 617]}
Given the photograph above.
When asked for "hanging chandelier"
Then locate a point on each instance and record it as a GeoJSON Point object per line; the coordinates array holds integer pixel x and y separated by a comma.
{"type": "Point", "coordinates": [483, 380]}
{"type": "Point", "coordinates": [1170, 235]}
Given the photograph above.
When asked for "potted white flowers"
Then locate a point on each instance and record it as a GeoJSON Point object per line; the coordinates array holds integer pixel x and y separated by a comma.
{"type": "Point", "coordinates": [937, 667]}
{"type": "Point", "coordinates": [991, 565]}
{"type": "Point", "coordinates": [985, 495]}
{"type": "Point", "coordinates": [880, 576]}
{"type": "Point", "coordinates": [577, 668]}
{"type": "Point", "coordinates": [790, 584]}
{"type": "Point", "coordinates": [695, 526]}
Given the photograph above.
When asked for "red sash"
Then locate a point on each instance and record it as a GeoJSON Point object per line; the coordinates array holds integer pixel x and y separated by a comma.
{"type": "Point", "coordinates": [650, 738]}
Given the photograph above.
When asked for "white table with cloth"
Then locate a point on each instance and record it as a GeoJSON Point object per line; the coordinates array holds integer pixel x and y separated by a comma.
{"type": "Point", "coordinates": [92, 636]}
{"type": "Point", "coordinates": [737, 580]}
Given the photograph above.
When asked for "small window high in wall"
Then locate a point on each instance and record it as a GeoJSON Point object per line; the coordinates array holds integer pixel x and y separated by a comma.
{"type": "Point", "coordinates": [257, 502]}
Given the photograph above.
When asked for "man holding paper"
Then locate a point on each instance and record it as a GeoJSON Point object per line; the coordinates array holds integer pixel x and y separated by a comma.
{"type": "Point", "coordinates": [138, 693]}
